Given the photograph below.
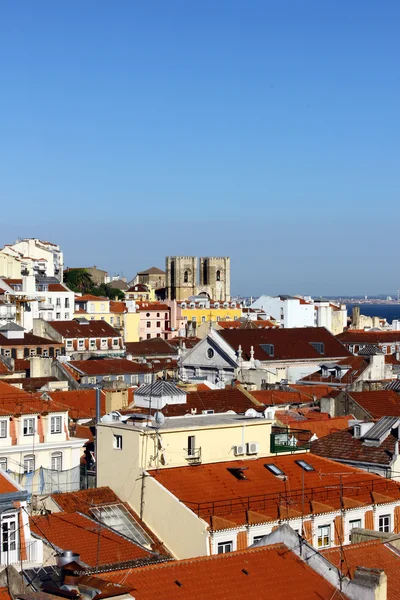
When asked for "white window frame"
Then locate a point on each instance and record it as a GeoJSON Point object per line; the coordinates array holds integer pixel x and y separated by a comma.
{"type": "Point", "coordinates": [29, 463]}
{"type": "Point", "coordinates": [28, 424]}
{"type": "Point", "coordinates": [115, 342]}
{"type": "Point", "coordinates": [92, 344]}
{"type": "Point", "coordinates": [3, 428]}
{"type": "Point", "coordinates": [69, 344]}
{"type": "Point", "coordinates": [104, 343]}
{"type": "Point", "coordinates": [384, 523]}
{"type": "Point", "coordinates": [117, 442]}
{"type": "Point", "coordinates": [56, 461]}
{"type": "Point", "coordinates": [3, 463]}
{"type": "Point", "coordinates": [352, 524]}
{"type": "Point", "coordinates": [54, 421]}
{"type": "Point", "coordinates": [81, 343]}
{"type": "Point", "coordinates": [225, 547]}
{"type": "Point", "coordinates": [324, 533]}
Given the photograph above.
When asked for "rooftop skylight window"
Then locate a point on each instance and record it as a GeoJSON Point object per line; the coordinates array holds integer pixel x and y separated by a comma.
{"type": "Point", "coordinates": [238, 472]}
{"type": "Point", "coordinates": [117, 517]}
{"type": "Point", "coordinates": [305, 465]}
{"type": "Point", "coordinates": [274, 469]}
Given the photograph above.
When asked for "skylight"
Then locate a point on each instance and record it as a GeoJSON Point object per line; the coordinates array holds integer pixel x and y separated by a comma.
{"type": "Point", "coordinates": [305, 465]}
{"type": "Point", "coordinates": [118, 518]}
{"type": "Point", "coordinates": [274, 469]}
{"type": "Point", "coordinates": [238, 472]}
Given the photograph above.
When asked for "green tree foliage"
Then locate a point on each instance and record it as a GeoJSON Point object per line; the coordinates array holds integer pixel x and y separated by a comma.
{"type": "Point", "coordinates": [79, 280]}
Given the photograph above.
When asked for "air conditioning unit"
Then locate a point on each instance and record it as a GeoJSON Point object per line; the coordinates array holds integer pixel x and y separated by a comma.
{"type": "Point", "coordinates": [207, 412]}
{"type": "Point", "coordinates": [252, 448]}
{"type": "Point", "coordinates": [238, 450]}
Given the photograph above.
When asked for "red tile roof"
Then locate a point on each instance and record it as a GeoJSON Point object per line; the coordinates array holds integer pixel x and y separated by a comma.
{"type": "Point", "coordinates": [117, 306]}
{"type": "Point", "coordinates": [256, 573]}
{"type": "Point", "coordinates": [3, 369]}
{"type": "Point", "coordinates": [372, 555]}
{"type": "Point", "coordinates": [211, 489]}
{"type": "Point", "coordinates": [188, 342]}
{"type": "Point", "coordinates": [359, 336]}
{"type": "Point", "coordinates": [29, 340]}
{"type": "Point", "coordinates": [289, 344]}
{"type": "Point", "coordinates": [327, 426]}
{"type": "Point", "coordinates": [94, 329]}
{"type": "Point", "coordinates": [96, 544]}
{"type": "Point", "coordinates": [57, 287]}
{"type": "Point", "coordinates": [5, 594]}
{"type": "Point", "coordinates": [79, 403]}
{"type": "Point", "coordinates": [83, 500]}
{"type": "Point", "coordinates": [276, 397]}
{"type": "Point", "coordinates": [91, 298]}
{"type": "Point", "coordinates": [152, 347]}
{"type": "Point", "coordinates": [138, 287]}
{"type": "Point", "coordinates": [31, 384]}
{"type": "Point", "coordinates": [341, 445]}
{"type": "Point", "coordinates": [249, 324]}
{"type": "Point", "coordinates": [319, 391]}
{"type": "Point", "coordinates": [355, 366]}
{"type": "Point", "coordinates": [216, 400]}
{"type": "Point", "coordinates": [6, 486]}
{"type": "Point", "coordinates": [147, 306]}
{"type": "Point", "coordinates": [108, 366]}
{"type": "Point", "coordinates": [378, 404]}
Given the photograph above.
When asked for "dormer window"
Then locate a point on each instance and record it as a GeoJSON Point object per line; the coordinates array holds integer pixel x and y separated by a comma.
{"type": "Point", "coordinates": [318, 346]}
{"type": "Point", "coordinates": [268, 348]}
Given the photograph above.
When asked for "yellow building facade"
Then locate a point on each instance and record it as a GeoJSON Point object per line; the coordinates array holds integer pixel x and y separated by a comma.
{"type": "Point", "coordinates": [120, 315]}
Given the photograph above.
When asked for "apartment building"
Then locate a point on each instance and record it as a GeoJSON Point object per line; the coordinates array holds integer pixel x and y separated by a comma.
{"type": "Point", "coordinates": [35, 257]}
{"type": "Point", "coordinates": [123, 316]}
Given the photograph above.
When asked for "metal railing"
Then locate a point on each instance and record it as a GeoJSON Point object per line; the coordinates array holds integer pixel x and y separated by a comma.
{"type": "Point", "coordinates": [284, 439]}
{"type": "Point", "coordinates": [193, 455]}
{"type": "Point", "coordinates": [322, 494]}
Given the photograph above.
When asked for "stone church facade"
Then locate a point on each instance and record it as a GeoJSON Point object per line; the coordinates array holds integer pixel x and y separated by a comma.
{"type": "Point", "coordinates": [185, 279]}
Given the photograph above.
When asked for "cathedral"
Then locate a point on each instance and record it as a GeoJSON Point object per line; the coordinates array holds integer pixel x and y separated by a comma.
{"type": "Point", "coordinates": [186, 277]}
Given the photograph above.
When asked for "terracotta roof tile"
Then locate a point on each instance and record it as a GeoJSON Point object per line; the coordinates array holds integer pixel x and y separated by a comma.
{"type": "Point", "coordinates": [359, 336]}
{"type": "Point", "coordinates": [341, 445]}
{"type": "Point", "coordinates": [96, 544]}
{"type": "Point", "coordinates": [152, 347]}
{"type": "Point", "coordinates": [108, 366]}
{"type": "Point", "coordinates": [29, 340]}
{"type": "Point", "coordinates": [372, 555]}
{"type": "Point", "coordinates": [288, 343]}
{"type": "Point", "coordinates": [212, 489]}
{"type": "Point", "coordinates": [216, 400]}
{"type": "Point", "coordinates": [276, 397]}
{"type": "Point", "coordinates": [95, 329]}
{"type": "Point", "coordinates": [257, 573]}
{"type": "Point", "coordinates": [379, 403]}
{"type": "Point", "coordinates": [5, 594]}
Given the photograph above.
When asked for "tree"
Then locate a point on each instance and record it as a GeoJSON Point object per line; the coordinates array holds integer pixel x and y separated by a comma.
{"type": "Point", "coordinates": [79, 280]}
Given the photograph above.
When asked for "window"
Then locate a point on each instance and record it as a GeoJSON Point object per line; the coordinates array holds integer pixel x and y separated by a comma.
{"type": "Point", "coordinates": [148, 336]}
{"type": "Point", "coordinates": [118, 518]}
{"type": "Point", "coordinates": [32, 352]}
{"type": "Point", "coordinates": [304, 465]}
{"type": "Point", "coordinates": [268, 348]}
{"type": "Point", "coordinates": [8, 534]}
{"type": "Point", "coordinates": [324, 536]}
{"type": "Point", "coordinates": [191, 445]}
{"type": "Point", "coordinates": [158, 324]}
{"type": "Point", "coordinates": [118, 442]}
{"type": "Point", "coordinates": [318, 346]}
{"type": "Point", "coordinates": [210, 353]}
{"type": "Point", "coordinates": [70, 344]}
{"type": "Point", "coordinates": [102, 318]}
{"type": "Point", "coordinates": [81, 344]}
{"type": "Point", "coordinates": [135, 379]}
{"type": "Point", "coordinates": [274, 469]}
{"type": "Point", "coordinates": [66, 316]}
{"type": "Point", "coordinates": [224, 547]}
{"type": "Point", "coordinates": [29, 426]}
{"type": "Point", "coordinates": [3, 428]}
{"type": "Point", "coordinates": [7, 352]}
{"type": "Point", "coordinates": [147, 378]}
{"type": "Point", "coordinates": [148, 324]}
{"type": "Point", "coordinates": [102, 307]}
{"type": "Point", "coordinates": [91, 307]}
{"type": "Point", "coordinates": [166, 316]}
{"type": "Point", "coordinates": [92, 344]}
{"type": "Point", "coordinates": [29, 463]}
{"type": "Point", "coordinates": [218, 277]}
{"type": "Point", "coordinates": [56, 461]}
{"type": "Point", "coordinates": [3, 464]}
{"type": "Point", "coordinates": [104, 343]}
{"type": "Point", "coordinates": [50, 301]}
{"type": "Point", "coordinates": [115, 342]}
{"type": "Point", "coordinates": [194, 319]}
{"type": "Point", "coordinates": [258, 538]}
{"type": "Point", "coordinates": [158, 335]}
{"type": "Point", "coordinates": [185, 277]}
{"type": "Point", "coordinates": [58, 302]}
{"type": "Point", "coordinates": [384, 523]}
{"type": "Point", "coordinates": [203, 319]}
{"type": "Point", "coordinates": [58, 315]}
{"type": "Point", "coordinates": [355, 523]}
{"type": "Point", "coordinates": [66, 302]}
{"type": "Point", "coordinates": [111, 320]}
{"type": "Point", "coordinates": [56, 424]}
{"type": "Point", "coordinates": [218, 318]}
{"type": "Point", "coordinates": [158, 315]}
{"type": "Point", "coordinates": [92, 380]}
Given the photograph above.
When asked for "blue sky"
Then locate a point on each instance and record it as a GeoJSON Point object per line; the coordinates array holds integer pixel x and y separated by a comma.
{"type": "Point", "coordinates": [267, 131]}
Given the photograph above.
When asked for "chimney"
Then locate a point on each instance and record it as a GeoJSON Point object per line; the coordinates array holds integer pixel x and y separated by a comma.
{"type": "Point", "coordinates": [372, 584]}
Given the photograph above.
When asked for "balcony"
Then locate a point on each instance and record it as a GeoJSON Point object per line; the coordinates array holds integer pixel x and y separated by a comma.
{"type": "Point", "coordinates": [193, 456]}
{"type": "Point", "coordinates": [284, 439]}
{"type": "Point", "coordinates": [45, 306]}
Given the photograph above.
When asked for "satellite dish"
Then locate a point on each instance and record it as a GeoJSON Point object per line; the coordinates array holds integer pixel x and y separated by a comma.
{"type": "Point", "coordinates": [250, 412]}
{"type": "Point", "coordinates": [159, 418]}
